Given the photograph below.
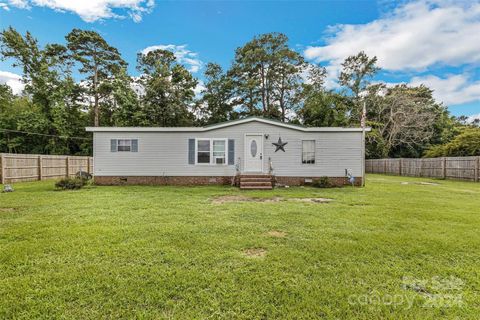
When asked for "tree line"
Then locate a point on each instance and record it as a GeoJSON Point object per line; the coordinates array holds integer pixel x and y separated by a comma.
{"type": "Point", "coordinates": [85, 82]}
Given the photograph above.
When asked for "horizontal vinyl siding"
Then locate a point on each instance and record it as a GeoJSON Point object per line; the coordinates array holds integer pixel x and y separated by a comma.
{"type": "Point", "coordinates": [166, 153]}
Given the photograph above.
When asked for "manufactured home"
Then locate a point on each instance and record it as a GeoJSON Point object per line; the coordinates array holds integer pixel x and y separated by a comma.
{"type": "Point", "coordinates": [252, 152]}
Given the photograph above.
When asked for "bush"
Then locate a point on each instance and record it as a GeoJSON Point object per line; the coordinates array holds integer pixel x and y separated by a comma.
{"type": "Point", "coordinates": [465, 144]}
{"type": "Point", "coordinates": [323, 182]}
{"type": "Point", "coordinates": [70, 183]}
{"type": "Point", "coordinates": [83, 175]}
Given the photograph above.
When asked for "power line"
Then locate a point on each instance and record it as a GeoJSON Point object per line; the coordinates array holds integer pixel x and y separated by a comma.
{"type": "Point", "coordinates": [45, 135]}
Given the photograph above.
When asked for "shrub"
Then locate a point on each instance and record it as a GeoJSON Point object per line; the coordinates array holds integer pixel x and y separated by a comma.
{"type": "Point", "coordinates": [70, 183]}
{"type": "Point", "coordinates": [83, 175]}
{"type": "Point", "coordinates": [323, 182]}
{"type": "Point", "coordinates": [465, 144]}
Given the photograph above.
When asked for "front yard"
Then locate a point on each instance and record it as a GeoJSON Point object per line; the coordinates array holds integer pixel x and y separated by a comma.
{"type": "Point", "coordinates": [399, 248]}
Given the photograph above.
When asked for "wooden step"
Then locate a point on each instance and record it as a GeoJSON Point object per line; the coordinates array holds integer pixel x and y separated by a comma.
{"type": "Point", "coordinates": [256, 183]}
{"type": "Point", "coordinates": [256, 187]}
{"type": "Point", "coordinates": [255, 179]}
{"type": "Point", "coordinates": [255, 175]}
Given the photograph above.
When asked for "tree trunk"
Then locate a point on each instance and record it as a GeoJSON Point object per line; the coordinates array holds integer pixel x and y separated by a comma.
{"type": "Point", "coordinates": [264, 102]}
{"type": "Point", "coordinates": [96, 111]}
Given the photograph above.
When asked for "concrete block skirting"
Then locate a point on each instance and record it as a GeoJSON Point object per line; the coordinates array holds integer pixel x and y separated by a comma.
{"type": "Point", "coordinates": [300, 181]}
{"type": "Point", "coordinates": [205, 180]}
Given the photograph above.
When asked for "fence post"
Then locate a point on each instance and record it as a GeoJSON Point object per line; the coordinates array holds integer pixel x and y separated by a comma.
{"type": "Point", "coordinates": [67, 168]}
{"type": "Point", "coordinates": [40, 169]}
{"type": "Point", "coordinates": [88, 165]}
{"type": "Point", "coordinates": [400, 167]}
{"type": "Point", "coordinates": [385, 166]}
{"type": "Point", "coordinates": [444, 167]}
{"type": "Point", "coordinates": [477, 168]}
{"type": "Point", "coordinates": [2, 166]}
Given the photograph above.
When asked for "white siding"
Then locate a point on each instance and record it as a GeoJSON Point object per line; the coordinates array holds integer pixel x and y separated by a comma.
{"type": "Point", "coordinates": [166, 153]}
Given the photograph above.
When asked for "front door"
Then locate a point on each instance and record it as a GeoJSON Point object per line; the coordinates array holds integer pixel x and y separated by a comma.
{"type": "Point", "coordinates": [254, 152]}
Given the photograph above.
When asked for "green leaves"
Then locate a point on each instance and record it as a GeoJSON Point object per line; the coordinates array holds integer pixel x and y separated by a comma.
{"type": "Point", "coordinates": [466, 143]}
{"type": "Point", "coordinates": [168, 90]}
{"type": "Point", "coordinates": [99, 61]}
{"type": "Point", "coordinates": [357, 71]}
{"type": "Point", "coordinates": [267, 76]}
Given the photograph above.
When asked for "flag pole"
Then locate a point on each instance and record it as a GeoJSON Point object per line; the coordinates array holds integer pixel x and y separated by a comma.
{"type": "Point", "coordinates": [363, 123]}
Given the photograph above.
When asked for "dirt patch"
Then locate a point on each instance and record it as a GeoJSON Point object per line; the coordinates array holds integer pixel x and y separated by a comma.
{"type": "Point", "coordinates": [8, 209]}
{"type": "Point", "coordinates": [255, 252]}
{"type": "Point", "coordinates": [235, 198]}
{"type": "Point", "coordinates": [429, 184]}
{"type": "Point", "coordinates": [422, 183]}
{"type": "Point", "coordinates": [314, 200]}
{"type": "Point", "coordinates": [276, 234]}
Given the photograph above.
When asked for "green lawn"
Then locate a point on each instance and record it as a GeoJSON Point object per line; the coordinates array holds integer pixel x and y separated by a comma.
{"type": "Point", "coordinates": [389, 250]}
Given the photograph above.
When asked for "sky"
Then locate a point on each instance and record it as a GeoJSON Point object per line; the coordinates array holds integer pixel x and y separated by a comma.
{"type": "Point", "coordinates": [431, 42]}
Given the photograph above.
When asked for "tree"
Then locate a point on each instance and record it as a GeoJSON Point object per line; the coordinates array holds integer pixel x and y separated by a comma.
{"type": "Point", "coordinates": [126, 109]}
{"type": "Point", "coordinates": [356, 73]}
{"type": "Point", "coordinates": [404, 118]}
{"type": "Point", "coordinates": [267, 75]}
{"type": "Point", "coordinates": [100, 62]}
{"type": "Point", "coordinates": [168, 90]}
{"type": "Point", "coordinates": [325, 109]}
{"type": "Point", "coordinates": [51, 103]}
{"type": "Point", "coordinates": [316, 76]}
{"type": "Point", "coordinates": [216, 104]}
{"type": "Point", "coordinates": [467, 143]}
{"type": "Point", "coordinates": [321, 108]}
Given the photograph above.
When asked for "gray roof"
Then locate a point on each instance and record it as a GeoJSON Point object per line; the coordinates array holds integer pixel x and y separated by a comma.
{"type": "Point", "coordinates": [223, 125]}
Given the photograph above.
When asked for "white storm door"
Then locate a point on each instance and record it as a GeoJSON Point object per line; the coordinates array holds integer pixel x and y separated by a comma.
{"type": "Point", "coordinates": [254, 152]}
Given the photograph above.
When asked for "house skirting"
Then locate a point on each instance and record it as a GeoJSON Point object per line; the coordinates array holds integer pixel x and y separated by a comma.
{"type": "Point", "coordinates": [205, 180]}
{"type": "Point", "coordinates": [300, 181]}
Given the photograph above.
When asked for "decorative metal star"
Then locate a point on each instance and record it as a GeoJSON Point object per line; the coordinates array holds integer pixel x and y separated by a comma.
{"type": "Point", "coordinates": [279, 145]}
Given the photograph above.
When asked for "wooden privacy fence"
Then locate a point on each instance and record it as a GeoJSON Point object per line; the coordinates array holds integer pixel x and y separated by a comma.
{"type": "Point", "coordinates": [464, 168]}
{"type": "Point", "coordinates": [30, 167]}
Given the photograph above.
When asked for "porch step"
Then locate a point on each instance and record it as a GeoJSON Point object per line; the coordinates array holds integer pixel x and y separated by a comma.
{"type": "Point", "coordinates": [256, 187]}
{"type": "Point", "coordinates": [255, 179]}
{"type": "Point", "coordinates": [256, 182]}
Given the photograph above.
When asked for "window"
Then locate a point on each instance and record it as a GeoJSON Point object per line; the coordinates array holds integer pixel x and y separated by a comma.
{"type": "Point", "coordinates": [203, 151]}
{"type": "Point", "coordinates": [124, 145]}
{"type": "Point", "coordinates": [308, 151]}
{"type": "Point", "coordinates": [219, 151]}
{"type": "Point", "coordinates": [211, 151]}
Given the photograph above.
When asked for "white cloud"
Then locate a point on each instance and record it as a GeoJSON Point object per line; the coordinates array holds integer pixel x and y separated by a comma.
{"type": "Point", "coordinates": [472, 118]}
{"type": "Point", "coordinates": [4, 6]}
{"type": "Point", "coordinates": [454, 89]}
{"type": "Point", "coordinates": [92, 10]}
{"type": "Point", "coordinates": [414, 36]}
{"type": "Point", "coordinates": [199, 88]}
{"type": "Point", "coordinates": [184, 56]}
{"type": "Point", "coordinates": [13, 80]}
{"type": "Point", "coordinates": [22, 4]}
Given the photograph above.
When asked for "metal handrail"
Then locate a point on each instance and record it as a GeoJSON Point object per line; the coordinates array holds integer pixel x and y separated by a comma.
{"type": "Point", "coordinates": [237, 170]}
{"type": "Point", "coordinates": [270, 166]}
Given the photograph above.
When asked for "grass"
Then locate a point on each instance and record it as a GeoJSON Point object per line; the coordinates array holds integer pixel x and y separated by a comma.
{"type": "Point", "coordinates": [168, 252]}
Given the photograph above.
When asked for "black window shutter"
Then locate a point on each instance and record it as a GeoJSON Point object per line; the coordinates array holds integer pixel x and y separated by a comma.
{"type": "Point", "coordinates": [231, 151]}
{"type": "Point", "coordinates": [191, 151]}
{"type": "Point", "coordinates": [113, 145]}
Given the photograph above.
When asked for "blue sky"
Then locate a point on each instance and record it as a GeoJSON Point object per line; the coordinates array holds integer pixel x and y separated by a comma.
{"type": "Point", "coordinates": [432, 42]}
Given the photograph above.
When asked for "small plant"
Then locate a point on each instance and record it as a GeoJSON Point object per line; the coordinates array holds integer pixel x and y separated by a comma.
{"type": "Point", "coordinates": [323, 182]}
{"type": "Point", "coordinates": [71, 183]}
{"type": "Point", "coordinates": [83, 175]}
